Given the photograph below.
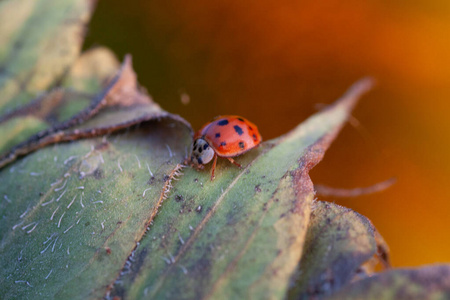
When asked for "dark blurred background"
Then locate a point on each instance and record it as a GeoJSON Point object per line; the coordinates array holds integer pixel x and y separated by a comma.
{"type": "Point", "coordinates": [275, 61]}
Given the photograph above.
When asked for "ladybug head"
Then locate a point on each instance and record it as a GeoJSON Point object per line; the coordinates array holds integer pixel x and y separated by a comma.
{"type": "Point", "coordinates": [202, 153]}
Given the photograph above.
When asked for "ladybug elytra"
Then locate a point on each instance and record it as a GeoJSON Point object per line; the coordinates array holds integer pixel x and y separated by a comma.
{"type": "Point", "coordinates": [225, 136]}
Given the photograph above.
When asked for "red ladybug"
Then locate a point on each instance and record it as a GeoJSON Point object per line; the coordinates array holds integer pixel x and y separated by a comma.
{"type": "Point", "coordinates": [225, 136]}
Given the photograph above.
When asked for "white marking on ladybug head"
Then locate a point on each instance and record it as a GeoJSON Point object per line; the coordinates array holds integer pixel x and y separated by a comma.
{"type": "Point", "coordinates": [202, 153]}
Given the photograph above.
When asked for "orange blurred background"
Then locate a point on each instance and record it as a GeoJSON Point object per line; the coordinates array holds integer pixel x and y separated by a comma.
{"type": "Point", "coordinates": [274, 61]}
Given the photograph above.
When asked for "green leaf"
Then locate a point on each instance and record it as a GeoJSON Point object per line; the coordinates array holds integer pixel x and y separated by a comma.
{"type": "Point", "coordinates": [16, 130]}
{"type": "Point", "coordinates": [337, 244]}
{"type": "Point", "coordinates": [122, 105]}
{"type": "Point", "coordinates": [75, 203]}
{"type": "Point", "coordinates": [80, 207]}
{"type": "Point", "coordinates": [241, 235]}
{"type": "Point", "coordinates": [40, 40]}
{"type": "Point", "coordinates": [430, 282]}
{"type": "Point", "coordinates": [81, 92]}
{"type": "Point", "coordinates": [91, 71]}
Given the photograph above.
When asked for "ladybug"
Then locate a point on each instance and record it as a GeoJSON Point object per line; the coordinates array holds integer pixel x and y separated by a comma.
{"type": "Point", "coordinates": [225, 136]}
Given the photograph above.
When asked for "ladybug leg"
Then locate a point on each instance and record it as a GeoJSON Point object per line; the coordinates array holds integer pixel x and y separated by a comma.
{"type": "Point", "coordinates": [213, 167]}
{"type": "Point", "coordinates": [234, 162]}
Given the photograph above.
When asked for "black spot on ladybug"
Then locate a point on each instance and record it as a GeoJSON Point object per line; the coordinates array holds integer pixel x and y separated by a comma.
{"type": "Point", "coordinates": [195, 143]}
{"type": "Point", "coordinates": [238, 130]}
{"type": "Point", "coordinates": [254, 137]}
{"type": "Point", "coordinates": [222, 122]}
{"type": "Point", "coordinates": [200, 161]}
{"type": "Point", "coordinates": [223, 144]}
{"type": "Point", "coordinates": [241, 145]}
{"type": "Point", "coordinates": [200, 149]}
{"type": "Point", "coordinates": [205, 146]}
{"type": "Point", "coordinates": [217, 135]}
{"type": "Point", "coordinates": [250, 128]}
{"type": "Point", "coordinates": [240, 119]}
